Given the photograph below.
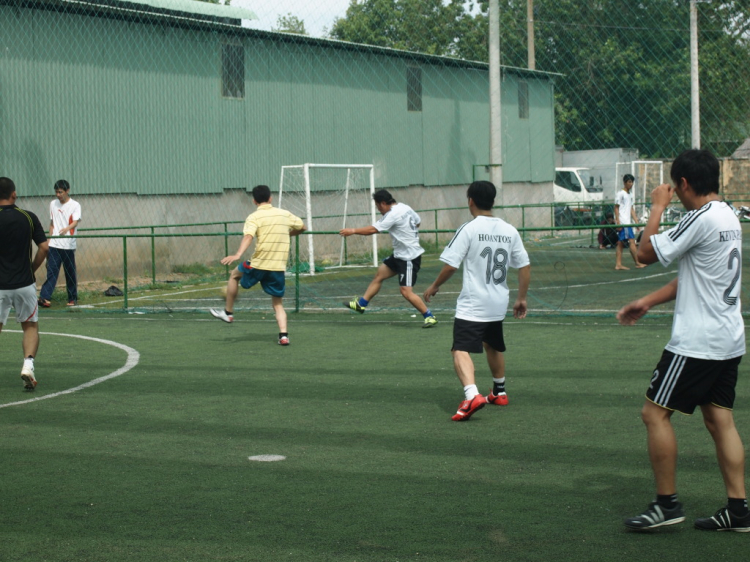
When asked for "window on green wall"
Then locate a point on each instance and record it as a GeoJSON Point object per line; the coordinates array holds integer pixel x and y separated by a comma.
{"type": "Point", "coordinates": [413, 88]}
{"type": "Point", "coordinates": [232, 71]}
{"type": "Point", "coordinates": [523, 100]}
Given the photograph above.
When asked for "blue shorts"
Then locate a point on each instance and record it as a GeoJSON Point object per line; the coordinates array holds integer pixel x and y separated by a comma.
{"type": "Point", "coordinates": [273, 282]}
{"type": "Point", "coordinates": [625, 234]}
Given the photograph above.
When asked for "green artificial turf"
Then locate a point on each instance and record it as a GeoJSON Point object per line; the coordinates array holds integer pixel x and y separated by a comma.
{"type": "Point", "coordinates": [153, 465]}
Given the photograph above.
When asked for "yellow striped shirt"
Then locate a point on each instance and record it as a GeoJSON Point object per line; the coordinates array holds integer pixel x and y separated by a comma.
{"type": "Point", "coordinates": [270, 227]}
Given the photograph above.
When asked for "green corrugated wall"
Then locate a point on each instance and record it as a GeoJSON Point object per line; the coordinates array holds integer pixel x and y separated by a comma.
{"type": "Point", "coordinates": [121, 106]}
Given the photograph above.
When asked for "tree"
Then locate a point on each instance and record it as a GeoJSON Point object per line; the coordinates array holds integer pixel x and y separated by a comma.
{"type": "Point", "coordinates": [290, 24]}
{"type": "Point", "coordinates": [425, 26]}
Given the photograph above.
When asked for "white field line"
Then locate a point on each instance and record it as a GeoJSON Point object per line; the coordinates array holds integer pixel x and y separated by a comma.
{"type": "Point", "coordinates": [132, 361]}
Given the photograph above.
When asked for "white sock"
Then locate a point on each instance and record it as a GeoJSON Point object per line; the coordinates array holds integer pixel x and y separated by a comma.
{"type": "Point", "coordinates": [470, 391]}
{"type": "Point", "coordinates": [28, 361]}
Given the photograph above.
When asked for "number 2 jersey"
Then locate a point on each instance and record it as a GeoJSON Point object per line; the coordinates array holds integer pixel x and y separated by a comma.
{"type": "Point", "coordinates": [488, 247]}
{"type": "Point", "coordinates": [707, 320]}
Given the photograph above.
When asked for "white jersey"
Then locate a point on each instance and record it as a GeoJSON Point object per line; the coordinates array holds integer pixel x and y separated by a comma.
{"type": "Point", "coordinates": [487, 247]}
{"type": "Point", "coordinates": [402, 223]}
{"type": "Point", "coordinates": [61, 216]}
{"type": "Point", "coordinates": [624, 202]}
{"type": "Point", "coordinates": [707, 316]}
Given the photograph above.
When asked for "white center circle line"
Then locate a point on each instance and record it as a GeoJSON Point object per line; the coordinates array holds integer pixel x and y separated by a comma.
{"type": "Point", "coordinates": [132, 361]}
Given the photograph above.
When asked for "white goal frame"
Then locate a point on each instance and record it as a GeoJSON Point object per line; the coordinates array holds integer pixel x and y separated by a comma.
{"type": "Point", "coordinates": [308, 205]}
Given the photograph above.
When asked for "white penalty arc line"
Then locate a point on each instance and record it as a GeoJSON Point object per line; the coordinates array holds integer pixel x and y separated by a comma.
{"type": "Point", "coordinates": [133, 358]}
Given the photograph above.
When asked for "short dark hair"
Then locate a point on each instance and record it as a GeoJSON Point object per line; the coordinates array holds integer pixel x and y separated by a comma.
{"type": "Point", "coordinates": [7, 188]}
{"type": "Point", "coordinates": [700, 168]}
{"type": "Point", "coordinates": [483, 193]}
{"type": "Point", "coordinates": [261, 193]}
{"type": "Point", "coordinates": [383, 196]}
{"type": "Point", "coordinates": [628, 177]}
{"type": "Point", "coordinates": [62, 184]}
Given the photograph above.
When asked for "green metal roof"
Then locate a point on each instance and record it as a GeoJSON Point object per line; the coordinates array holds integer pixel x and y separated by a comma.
{"type": "Point", "coordinates": [176, 9]}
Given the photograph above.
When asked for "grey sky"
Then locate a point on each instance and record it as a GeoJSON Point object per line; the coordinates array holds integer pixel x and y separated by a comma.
{"type": "Point", "coordinates": [317, 14]}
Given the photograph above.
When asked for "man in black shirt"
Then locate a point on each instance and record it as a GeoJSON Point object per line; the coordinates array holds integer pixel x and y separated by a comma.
{"type": "Point", "coordinates": [18, 229]}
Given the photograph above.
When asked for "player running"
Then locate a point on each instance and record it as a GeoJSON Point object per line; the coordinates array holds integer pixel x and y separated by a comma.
{"type": "Point", "coordinates": [698, 367]}
{"type": "Point", "coordinates": [19, 230]}
{"type": "Point", "coordinates": [487, 246]}
{"type": "Point", "coordinates": [271, 228]}
{"type": "Point", "coordinates": [402, 223]}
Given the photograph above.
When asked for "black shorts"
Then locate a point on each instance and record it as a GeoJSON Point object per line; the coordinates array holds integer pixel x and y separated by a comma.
{"type": "Point", "coordinates": [406, 269]}
{"type": "Point", "coordinates": [468, 336]}
{"type": "Point", "coordinates": [681, 383]}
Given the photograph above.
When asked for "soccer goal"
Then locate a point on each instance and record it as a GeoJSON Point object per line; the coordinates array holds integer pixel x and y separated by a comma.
{"type": "Point", "coordinates": [648, 174]}
{"type": "Point", "coordinates": [329, 197]}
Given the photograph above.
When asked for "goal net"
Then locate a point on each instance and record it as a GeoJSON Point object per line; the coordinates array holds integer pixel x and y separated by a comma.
{"type": "Point", "coordinates": [648, 174]}
{"type": "Point", "coordinates": [329, 197]}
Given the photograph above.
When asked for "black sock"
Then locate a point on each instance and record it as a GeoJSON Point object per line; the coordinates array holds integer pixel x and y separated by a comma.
{"type": "Point", "coordinates": [498, 388]}
{"type": "Point", "coordinates": [668, 501]}
{"type": "Point", "coordinates": [228, 313]}
{"type": "Point", "coordinates": [283, 334]}
{"type": "Point", "coordinates": [738, 506]}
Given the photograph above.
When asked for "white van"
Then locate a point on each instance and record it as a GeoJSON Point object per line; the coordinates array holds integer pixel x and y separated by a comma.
{"type": "Point", "coordinates": [573, 185]}
{"type": "Point", "coordinates": [577, 200]}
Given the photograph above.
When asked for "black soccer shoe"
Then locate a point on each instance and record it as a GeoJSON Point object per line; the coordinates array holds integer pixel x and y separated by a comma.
{"type": "Point", "coordinates": [724, 520]}
{"type": "Point", "coordinates": [656, 516]}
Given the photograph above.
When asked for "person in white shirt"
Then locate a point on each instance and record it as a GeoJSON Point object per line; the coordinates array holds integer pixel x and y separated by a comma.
{"type": "Point", "coordinates": [65, 214]}
{"type": "Point", "coordinates": [625, 214]}
{"type": "Point", "coordinates": [402, 223]}
{"type": "Point", "coordinates": [488, 247]}
{"type": "Point", "coordinates": [699, 365]}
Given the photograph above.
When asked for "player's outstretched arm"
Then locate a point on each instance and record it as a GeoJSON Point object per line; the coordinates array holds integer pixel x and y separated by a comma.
{"type": "Point", "coordinates": [634, 311]}
{"type": "Point", "coordinates": [363, 231]}
{"type": "Point", "coordinates": [445, 274]}
{"type": "Point", "coordinates": [297, 231]}
{"type": "Point", "coordinates": [244, 245]}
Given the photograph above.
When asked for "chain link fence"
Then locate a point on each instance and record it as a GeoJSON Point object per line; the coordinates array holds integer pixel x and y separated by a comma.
{"type": "Point", "coordinates": [164, 115]}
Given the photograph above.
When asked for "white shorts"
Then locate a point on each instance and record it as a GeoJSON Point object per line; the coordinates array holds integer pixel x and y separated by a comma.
{"type": "Point", "coordinates": [23, 300]}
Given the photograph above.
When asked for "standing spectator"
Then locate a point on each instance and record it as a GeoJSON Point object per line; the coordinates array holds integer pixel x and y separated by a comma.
{"type": "Point", "coordinates": [65, 214]}
{"type": "Point", "coordinates": [402, 223]}
{"type": "Point", "coordinates": [698, 367]}
{"type": "Point", "coordinates": [18, 230]}
{"type": "Point", "coordinates": [624, 212]}
{"type": "Point", "coordinates": [271, 227]}
{"type": "Point", "coordinates": [487, 246]}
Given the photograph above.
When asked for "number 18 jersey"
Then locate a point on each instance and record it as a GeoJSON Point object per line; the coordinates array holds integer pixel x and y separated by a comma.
{"type": "Point", "coordinates": [488, 247]}
{"type": "Point", "coordinates": [707, 320]}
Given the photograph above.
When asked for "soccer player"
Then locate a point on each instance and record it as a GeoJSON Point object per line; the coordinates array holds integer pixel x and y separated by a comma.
{"type": "Point", "coordinates": [698, 367]}
{"type": "Point", "coordinates": [18, 230]}
{"type": "Point", "coordinates": [402, 223]}
{"type": "Point", "coordinates": [487, 246]}
{"type": "Point", "coordinates": [624, 212]}
{"type": "Point", "coordinates": [272, 228]}
{"type": "Point", "coordinates": [64, 216]}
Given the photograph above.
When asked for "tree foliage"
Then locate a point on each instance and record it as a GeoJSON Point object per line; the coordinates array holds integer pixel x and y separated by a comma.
{"type": "Point", "coordinates": [290, 24]}
{"type": "Point", "coordinates": [625, 65]}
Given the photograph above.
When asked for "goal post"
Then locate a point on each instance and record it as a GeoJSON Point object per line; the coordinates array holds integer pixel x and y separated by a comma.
{"type": "Point", "coordinates": [329, 197]}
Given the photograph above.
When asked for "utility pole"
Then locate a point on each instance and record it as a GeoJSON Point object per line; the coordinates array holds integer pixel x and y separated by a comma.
{"type": "Point", "coordinates": [530, 33]}
{"type": "Point", "coordinates": [496, 143]}
{"type": "Point", "coordinates": [695, 95]}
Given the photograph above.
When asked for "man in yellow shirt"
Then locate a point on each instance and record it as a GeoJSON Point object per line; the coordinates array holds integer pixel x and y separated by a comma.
{"type": "Point", "coordinates": [271, 228]}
